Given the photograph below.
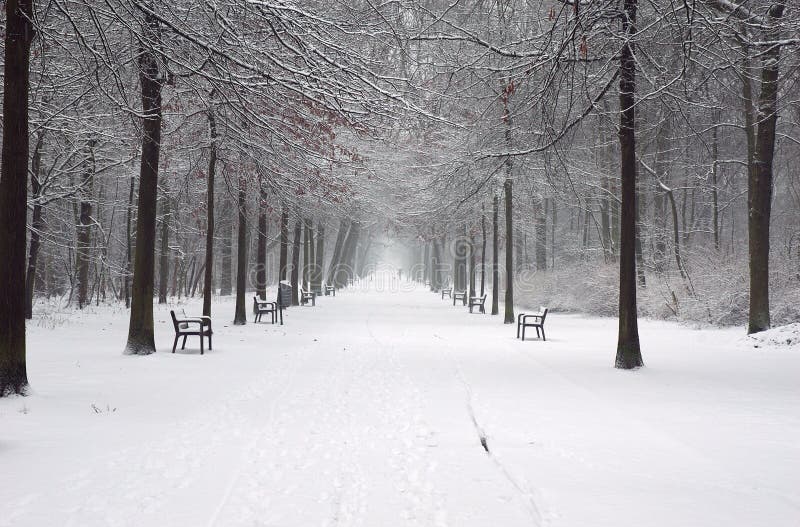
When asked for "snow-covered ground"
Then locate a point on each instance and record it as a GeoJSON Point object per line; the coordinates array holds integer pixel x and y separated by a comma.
{"type": "Point", "coordinates": [369, 409]}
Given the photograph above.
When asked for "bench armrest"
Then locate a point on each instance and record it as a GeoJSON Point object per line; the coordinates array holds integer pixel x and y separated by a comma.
{"type": "Point", "coordinates": [203, 321]}
{"type": "Point", "coordinates": [534, 315]}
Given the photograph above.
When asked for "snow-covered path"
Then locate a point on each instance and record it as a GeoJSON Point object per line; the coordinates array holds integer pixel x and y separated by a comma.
{"type": "Point", "coordinates": [397, 408]}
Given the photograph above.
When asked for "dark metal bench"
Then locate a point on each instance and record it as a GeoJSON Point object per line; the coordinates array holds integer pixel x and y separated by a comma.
{"type": "Point", "coordinates": [305, 296]}
{"type": "Point", "coordinates": [533, 320]}
{"type": "Point", "coordinates": [185, 327]}
{"type": "Point", "coordinates": [330, 290]}
{"type": "Point", "coordinates": [460, 295]}
{"type": "Point", "coordinates": [262, 307]}
{"type": "Point", "coordinates": [479, 302]}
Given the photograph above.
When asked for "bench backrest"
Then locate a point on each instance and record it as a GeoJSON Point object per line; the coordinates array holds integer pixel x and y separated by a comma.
{"type": "Point", "coordinates": [177, 325]}
{"type": "Point", "coordinates": [543, 310]}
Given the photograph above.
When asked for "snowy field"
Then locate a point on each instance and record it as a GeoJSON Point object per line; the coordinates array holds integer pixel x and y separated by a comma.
{"type": "Point", "coordinates": [369, 409]}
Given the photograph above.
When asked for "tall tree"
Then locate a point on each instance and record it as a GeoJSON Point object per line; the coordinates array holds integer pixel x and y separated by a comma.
{"type": "Point", "coordinates": [208, 280]}
{"type": "Point", "coordinates": [141, 340]}
{"type": "Point", "coordinates": [240, 316]}
{"type": "Point", "coordinates": [14, 195]}
{"type": "Point", "coordinates": [298, 229]}
{"type": "Point", "coordinates": [84, 227]}
{"type": "Point", "coordinates": [261, 260]}
{"type": "Point", "coordinates": [629, 355]}
{"type": "Point", "coordinates": [284, 256]}
{"type": "Point", "coordinates": [495, 256]}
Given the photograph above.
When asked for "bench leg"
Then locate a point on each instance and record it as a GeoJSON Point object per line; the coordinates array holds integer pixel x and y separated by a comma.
{"type": "Point", "coordinates": [543, 338]}
{"type": "Point", "coordinates": [183, 345]}
{"type": "Point", "coordinates": [175, 344]}
{"type": "Point", "coordinates": [201, 342]}
{"type": "Point", "coordinates": [523, 333]}
{"type": "Point", "coordinates": [518, 324]}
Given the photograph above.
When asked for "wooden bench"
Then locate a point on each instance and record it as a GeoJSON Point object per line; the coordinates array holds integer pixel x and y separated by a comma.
{"type": "Point", "coordinates": [185, 327]}
{"type": "Point", "coordinates": [447, 291]}
{"type": "Point", "coordinates": [533, 320]}
{"type": "Point", "coordinates": [305, 296]}
{"type": "Point", "coordinates": [479, 301]}
{"type": "Point", "coordinates": [329, 290]}
{"type": "Point", "coordinates": [262, 307]}
{"type": "Point", "coordinates": [460, 295]}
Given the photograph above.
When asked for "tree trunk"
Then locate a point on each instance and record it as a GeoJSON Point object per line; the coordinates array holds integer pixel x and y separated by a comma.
{"type": "Point", "coordinates": [319, 257]}
{"type": "Point", "coordinates": [284, 256]}
{"type": "Point", "coordinates": [261, 252]}
{"type": "Point", "coordinates": [714, 183]}
{"type": "Point", "coordinates": [471, 248]}
{"type": "Point", "coordinates": [226, 267]}
{"type": "Point", "coordinates": [84, 228]}
{"type": "Point", "coordinates": [759, 187]}
{"type": "Point", "coordinates": [37, 226]}
{"type": "Point", "coordinates": [163, 266]}
{"type": "Point", "coordinates": [14, 196]}
{"type": "Point", "coordinates": [240, 316]}
{"type": "Point", "coordinates": [126, 284]}
{"type": "Point", "coordinates": [337, 251]}
{"type": "Point", "coordinates": [509, 300]}
{"type": "Point", "coordinates": [208, 280]}
{"type": "Point", "coordinates": [540, 228]}
{"type": "Point", "coordinates": [495, 259]}
{"type": "Point", "coordinates": [659, 202]}
{"type": "Point", "coordinates": [307, 259]}
{"type": "Point", "coordinates": [629, 354]}
{"type": "Point", "coordinates": [298, 228]}
{"type": "Point", "coordinates": [141, 340]}
{"type": "Point", "coordinates": [483, 250]}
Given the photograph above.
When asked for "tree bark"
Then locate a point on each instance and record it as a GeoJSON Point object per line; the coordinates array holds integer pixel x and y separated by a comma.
{"type": "Point", "coordinates": [141, 340]}
{"type": "Point", "coordinates": [208, 280]}
{"type": "Point", "coordinates": [84, 228]}
{"type": "Point", "coordinates": [37, 226]}
{"type": "Point", "coordinates": [319, 257]}
{"type": "Point", "coordinates": [163, 266]}
{"type": "Point", "coordinates": [337, 251]}
{"type": "Point", "coordinates": [495, 259]}
{"type": "Point", "coordinates": [226, 267]}
{"type": "Point", "coordinates": [509, 300]}
{"type": "Point", "coordinates": [759, 188]}
{"type": "Point", "coordinates": [240, 316]}
{"type": "Point", "coordinates": [483, 250]}
{"type": "Point", "coordinates": [298, 227]}
{"type": "Point", "coordinates": [14, 196]}
{"type": "Point", "coordinates": [629, 354]}
{"type": "Point", "coordinates": [284, 256]}
{"type": "Point", "coordinates": [261, 252]}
